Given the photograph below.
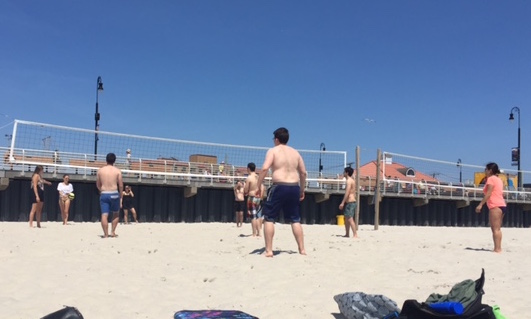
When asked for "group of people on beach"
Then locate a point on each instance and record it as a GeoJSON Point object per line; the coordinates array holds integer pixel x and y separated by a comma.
{"type": "Point", "coordinates": [286, 193]}
{"type": "Point", "coordinates": [113, 196]}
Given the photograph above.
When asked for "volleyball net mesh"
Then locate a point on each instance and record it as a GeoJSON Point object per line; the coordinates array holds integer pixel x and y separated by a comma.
{"type": "Point", "coordinates": [41, 141]}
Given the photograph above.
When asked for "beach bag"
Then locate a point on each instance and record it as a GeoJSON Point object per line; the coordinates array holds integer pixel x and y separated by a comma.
{"type": "Point", "coordinates": [474, 309]}
{"type": "Point", "coordinates": [65, 313]}
{"type": "Point", "coordinates": [358, 305]}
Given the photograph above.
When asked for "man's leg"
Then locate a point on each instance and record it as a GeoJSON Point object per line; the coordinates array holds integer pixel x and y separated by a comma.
{"type": "Point", "coordinates": [269, 232]}
{"type": "Point", "coordinates": [347, 227]}
{"type": "Point", "coordinates": [105, 224]}
{"type": "Point", "coordinates": [299, 237]}
{"type": "Point", "coordinates": [115, 220]}
{"type": "Point", "coordinates": [352, 224]}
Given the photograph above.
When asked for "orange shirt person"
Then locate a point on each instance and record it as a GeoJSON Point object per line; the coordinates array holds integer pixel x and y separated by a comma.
{"type": "Point", "coordinates": [493, 192]}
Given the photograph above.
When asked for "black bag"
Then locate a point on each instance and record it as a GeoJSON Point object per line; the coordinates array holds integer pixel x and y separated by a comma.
{"type": "Point", "coordinates": [412, 309]}
{"type": "Point", "coordinates": [65, 313]}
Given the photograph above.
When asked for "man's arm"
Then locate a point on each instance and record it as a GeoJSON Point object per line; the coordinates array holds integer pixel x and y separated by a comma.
{"type": "Point", "coordinates": [246, 186]}
{"type": "Point", "coordinates": [347, 192]}
{"type": "Point", "coordinates": [266, 166]}
{"type": "Point", "coordinates": [98, 181]}
{"type": "Point", "coordinates": [120, 184]}
{"type": "Point", "coordinates": [302, 176]}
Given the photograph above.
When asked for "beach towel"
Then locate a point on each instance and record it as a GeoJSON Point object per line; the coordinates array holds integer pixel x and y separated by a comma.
{"type": "Point", "coordinates": [208, 314]}
{"type": "Point", "coordinates": [358, 305]}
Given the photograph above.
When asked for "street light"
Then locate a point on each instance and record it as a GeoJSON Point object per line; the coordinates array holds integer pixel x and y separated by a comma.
{"type": "Point", "coordinates": [511, 118]}
{"type": "Point", "coordinates": [460, 170]}
{"type": "Point", "coordinates": [322, 148]}
{"type": "Point", "coordinates": [99, 87]}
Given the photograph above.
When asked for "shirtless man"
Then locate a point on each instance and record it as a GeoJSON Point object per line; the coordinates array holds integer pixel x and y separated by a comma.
{"type": "Point", "coordinates": [239, 203]}
{"type": "Point", "coordinates": [287, 191]}
{"type": "Point", "coordinates": [349, 203]}
{"type": "Point", "coordinates": [110, 184]}
{"type": "Point", "coordinates": [253, 198]}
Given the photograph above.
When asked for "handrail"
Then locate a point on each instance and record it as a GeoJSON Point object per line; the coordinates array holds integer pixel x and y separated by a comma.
{"type": "Point", "coordinates": [166, 170]}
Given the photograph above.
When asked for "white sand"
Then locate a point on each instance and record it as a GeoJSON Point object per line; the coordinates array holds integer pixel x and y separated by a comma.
{"type": "Point", "coordinates": [153, 270]}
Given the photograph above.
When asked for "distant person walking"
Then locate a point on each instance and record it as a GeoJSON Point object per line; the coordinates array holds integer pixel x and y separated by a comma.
{"type": "Point", "coordinates": [65, 188]}
{"type": "Point", "coordinates": [493, 197]}
{"type": "Point", "coordinates": [239, 203]}
{"type": "Point", "coordinates": [348, 204]}
{"type": "Point", "coordinates": [37, 195]}
{"type": "Point", "coordinates": [110, 184]}
{"type": "Point", "coordinates": [287, 191]}
{"type": "Point", "coordinates": [128, 205]}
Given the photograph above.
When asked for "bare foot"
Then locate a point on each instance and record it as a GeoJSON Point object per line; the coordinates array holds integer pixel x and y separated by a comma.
{"type": "Point", "coordinates": [114, 235]}
{"type": "Point", "coordinates": [268, 254]}
{"type": "Point", "coordinates": [302, 252]}
{"type": "Point", "coordinates": [497, 251]}
{"type": "Point", "coordinates": [355, 236]}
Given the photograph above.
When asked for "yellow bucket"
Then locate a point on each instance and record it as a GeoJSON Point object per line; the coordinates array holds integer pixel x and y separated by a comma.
{"type": "Point", "coordinates": [340, 220]}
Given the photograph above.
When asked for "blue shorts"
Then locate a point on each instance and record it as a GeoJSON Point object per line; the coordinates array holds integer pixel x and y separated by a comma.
{"type": "Point", "coordinates": [285, 197]}
{"type": "Point", "coordinates": [110, 202]}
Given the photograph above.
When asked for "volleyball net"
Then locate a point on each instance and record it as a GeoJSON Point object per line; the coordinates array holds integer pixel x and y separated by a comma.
{"type": "Point", "coordinates": [33, 142]}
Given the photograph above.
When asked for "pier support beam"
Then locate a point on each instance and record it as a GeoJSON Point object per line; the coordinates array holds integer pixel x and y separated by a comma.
{"type": "Point", "coordinates": [417, 202]}
{"type": "Point", "coordinates": [462, 203]}
{"type": "Point", "coordinates": [4, 183]}
{"type": "Point", "coordinates": [190, 191]}
{"type": "Point", "coordinates": [321, 197]}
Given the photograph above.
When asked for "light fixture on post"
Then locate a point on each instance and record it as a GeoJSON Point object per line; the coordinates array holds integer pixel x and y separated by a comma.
{"type": "Point", "coordinates": [460, 170]}
{"type": "Point", "coordinates": [99, 87]}
{"type": "Point", "coordinates": [511, 118]}
{"type": "Point", "coordinates": [322, 148]}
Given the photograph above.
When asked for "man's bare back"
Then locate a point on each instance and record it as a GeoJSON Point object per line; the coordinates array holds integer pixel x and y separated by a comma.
{"type": "Point", "coordinates": [109, 179]}
{"type": "Point", "coordinates": [251, 184]}
{"type": "Point", "coordinates": [287, 165]}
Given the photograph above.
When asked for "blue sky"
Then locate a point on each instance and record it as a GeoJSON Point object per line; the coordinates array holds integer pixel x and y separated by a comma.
{"type": "Point", "coordinates": [438, 78]}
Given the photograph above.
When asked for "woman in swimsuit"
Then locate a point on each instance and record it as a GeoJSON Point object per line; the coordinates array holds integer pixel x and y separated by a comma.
{"type": "Point", "coordinates": [493, 191]}
{"type": "Point", "coordinates": [37, 195]}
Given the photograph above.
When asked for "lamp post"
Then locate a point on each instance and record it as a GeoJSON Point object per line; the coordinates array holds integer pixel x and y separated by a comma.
{"type": "Point", "coordinates": [99, 87]}
{"type": "Point", "coordinates": [460, 170]}
{"type": "Point", "coordinates": [511, 118]}
{"type": "Point", "coordinates": [322, 148]}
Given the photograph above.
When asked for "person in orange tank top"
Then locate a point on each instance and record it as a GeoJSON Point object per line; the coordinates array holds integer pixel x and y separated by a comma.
{"type": "Point", "coordinates": [493, 197]}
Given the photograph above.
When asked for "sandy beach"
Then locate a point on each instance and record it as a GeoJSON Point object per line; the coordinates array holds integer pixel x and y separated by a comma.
{"type": "Point", "coordinates": [153, 270]}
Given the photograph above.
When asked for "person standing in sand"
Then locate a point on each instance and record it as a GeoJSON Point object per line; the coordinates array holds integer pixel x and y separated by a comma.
{"type": "Point", "coordinates": [37, 195]}
{"type": "Point", "coordinates": [128, 205]}
{"type": "Point", "coordinates": [239, 203]}
{"type": "Point", "coordinates": [349, 203]}
{"type": "Point", "coordinates": [252, 191]}
{"type": "Point", "coordinates": [110, 184]}
{"type": "Point", "coordinates": [65, 189]}
{"type": "Point", "coordinates": [287, 191]}
{"type": "Point", "coordinates": [493, 197]}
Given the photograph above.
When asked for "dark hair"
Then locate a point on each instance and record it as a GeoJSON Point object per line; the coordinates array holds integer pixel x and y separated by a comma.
{"type": "Point", "coordinates": [282, 135]}
{"type": "Point", "coordinates": [493, 168]}
{"type": "Point", "coordinates": [38, 169]}
{"type": "Point", "coordinates": [251, 166]}
{"type": "Point", "coordinates": [65, 175]}
{"type": "Point", "coordinates": [349, 171]}
{"type": "Point", "coordinates": [111, 158]}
